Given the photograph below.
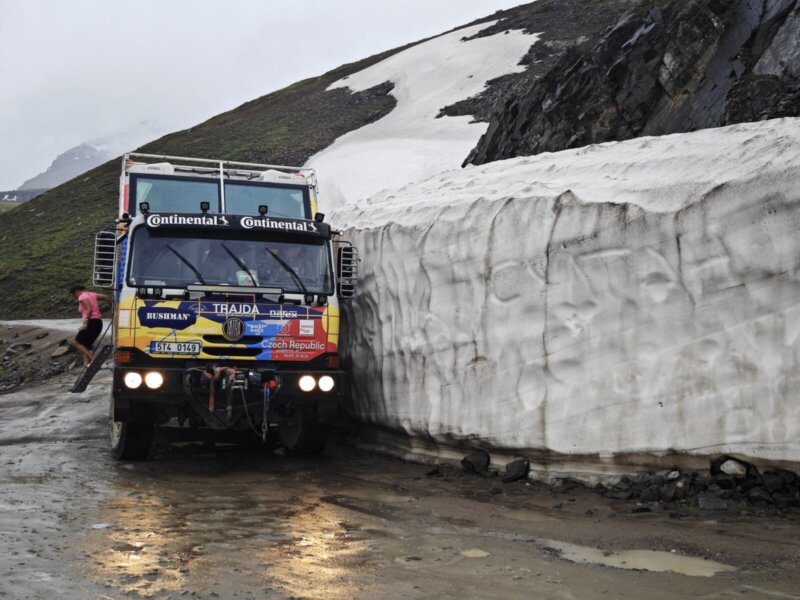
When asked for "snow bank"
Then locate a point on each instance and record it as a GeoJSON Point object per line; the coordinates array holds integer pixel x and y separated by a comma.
{"type": "Point", "coordinates": [636, 297]}
{"type": "Point", "coordinates": [623, 298]}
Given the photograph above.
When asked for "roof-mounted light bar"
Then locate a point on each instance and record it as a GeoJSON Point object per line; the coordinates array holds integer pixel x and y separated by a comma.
{"type": "Point", "coordinates": [235, 289]}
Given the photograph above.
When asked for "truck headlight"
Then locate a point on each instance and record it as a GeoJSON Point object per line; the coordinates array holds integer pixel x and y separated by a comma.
{"type": "Point", "coordinates": [326, 383]}
{"type": "Point", "coordinates": [154, 380]}
{"type": "Point", "coordinates": [132, 380]}
{"type": "Point", "coordinates": [307, 383]}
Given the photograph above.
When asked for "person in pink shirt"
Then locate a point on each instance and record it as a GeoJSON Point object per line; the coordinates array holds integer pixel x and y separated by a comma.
{"type": "Point", "coordinates": [92, 321]}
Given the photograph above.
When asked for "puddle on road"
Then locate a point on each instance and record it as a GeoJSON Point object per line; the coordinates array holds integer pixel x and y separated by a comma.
{"type": "Point", "coordinates": [371, 495]}
{"type": "Point", "coordinates": [644, 560]}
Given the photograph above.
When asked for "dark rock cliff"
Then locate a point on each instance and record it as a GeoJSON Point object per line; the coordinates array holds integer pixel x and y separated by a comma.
{"type": "Point", "coordinates": [667, 66]}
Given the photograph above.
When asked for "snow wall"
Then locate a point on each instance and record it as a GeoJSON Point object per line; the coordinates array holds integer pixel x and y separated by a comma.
{"type": "Point", "coordinates": [624, 298]}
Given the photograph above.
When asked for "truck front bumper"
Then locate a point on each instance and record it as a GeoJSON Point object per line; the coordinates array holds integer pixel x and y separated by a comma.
{"type": "Point", "coordinates": [132, 384]}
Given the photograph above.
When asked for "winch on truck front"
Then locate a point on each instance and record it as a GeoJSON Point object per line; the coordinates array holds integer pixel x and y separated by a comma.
{"type": "Point", "coordinates": [227, 292]}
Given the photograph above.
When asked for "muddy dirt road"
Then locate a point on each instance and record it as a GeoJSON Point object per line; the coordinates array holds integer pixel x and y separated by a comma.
{"type": "Point", "coordinates": [221, 523]}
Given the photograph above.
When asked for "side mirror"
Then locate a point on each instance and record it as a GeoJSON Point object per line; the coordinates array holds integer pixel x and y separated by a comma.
{"type": "Point", "coordinates": [105, 248]}
{"type": "Point", "coordinates": [348, 271]}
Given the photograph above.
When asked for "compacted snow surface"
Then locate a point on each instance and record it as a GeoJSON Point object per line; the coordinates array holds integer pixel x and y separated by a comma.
{"type": "Point", "coordinates": [626, 297]}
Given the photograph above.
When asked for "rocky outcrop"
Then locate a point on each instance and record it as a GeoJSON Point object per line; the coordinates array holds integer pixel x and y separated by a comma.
{"type": "Point", "coordinates": [587, 23]}
{"type": "Point", "coordinates": [666, 67]}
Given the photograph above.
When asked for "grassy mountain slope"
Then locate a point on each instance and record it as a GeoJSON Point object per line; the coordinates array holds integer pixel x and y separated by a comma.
{"type": "Point", "coordinates": [47, 243]}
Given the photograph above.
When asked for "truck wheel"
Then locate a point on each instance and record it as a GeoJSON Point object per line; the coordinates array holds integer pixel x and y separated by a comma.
{"type": "Point", "coordinates": [131, 439]}
{"type": "Point", "coordinates": [302, 434]}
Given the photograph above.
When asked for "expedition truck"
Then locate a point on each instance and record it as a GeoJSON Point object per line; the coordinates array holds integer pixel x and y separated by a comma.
{"type": "Point", "coordinates": [227, 283]}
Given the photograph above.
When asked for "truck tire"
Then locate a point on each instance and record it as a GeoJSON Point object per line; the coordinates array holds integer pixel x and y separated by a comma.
{"type": "Point", "coordinates": [132, 439]}
{"type": "Point", "coordinates": [302, 434]}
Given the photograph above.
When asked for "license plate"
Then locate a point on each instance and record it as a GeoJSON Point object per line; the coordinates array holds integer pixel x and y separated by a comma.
{"type": "Point", "coordinates": [175, 347]}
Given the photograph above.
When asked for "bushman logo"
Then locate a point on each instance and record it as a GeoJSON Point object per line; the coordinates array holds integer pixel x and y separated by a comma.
{"type": "Point", "coordinates": [152, 315]}
{"type": "Point", "coordinates": [156, 220]}
{"type": "Point", "coordinates": [233, 329]}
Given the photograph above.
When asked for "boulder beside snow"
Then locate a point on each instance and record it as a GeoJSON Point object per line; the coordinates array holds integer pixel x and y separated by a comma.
{"type": "Point", "coordinates": [627, 297]}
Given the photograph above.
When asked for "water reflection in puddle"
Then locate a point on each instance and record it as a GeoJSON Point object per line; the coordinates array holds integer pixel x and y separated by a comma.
{"type": "Point", "coordinates": [645, 560]}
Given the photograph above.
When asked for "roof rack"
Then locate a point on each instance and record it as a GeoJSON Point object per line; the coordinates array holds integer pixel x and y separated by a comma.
{"type": "Point", "coordinates": [232, 168]}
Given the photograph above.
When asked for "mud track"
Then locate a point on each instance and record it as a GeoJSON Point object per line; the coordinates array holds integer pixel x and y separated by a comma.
{"type": "Point", "coordinates": [217, 522]}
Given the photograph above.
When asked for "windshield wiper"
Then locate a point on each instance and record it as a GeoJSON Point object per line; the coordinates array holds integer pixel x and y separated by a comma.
{"type": "Point", "coordinates": [185, 261]}
{"type": "Point", "coordinates": [289, 270]}
{"type": "Point", "coordinates": [240, 263]}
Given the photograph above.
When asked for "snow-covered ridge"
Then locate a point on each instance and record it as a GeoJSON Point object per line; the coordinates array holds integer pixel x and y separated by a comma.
{"type": "Point", "coordinates": [411, 142]}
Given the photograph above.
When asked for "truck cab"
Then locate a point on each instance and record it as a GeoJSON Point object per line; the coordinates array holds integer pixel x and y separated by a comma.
{"type": "Point", "coordinates": [227, 284]}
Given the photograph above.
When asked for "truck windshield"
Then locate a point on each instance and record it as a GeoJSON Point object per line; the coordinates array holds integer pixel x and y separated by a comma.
{"type": "Point", "coordinates": [183, 195]}
{"type": "Point", "coordinates": [174, 260]}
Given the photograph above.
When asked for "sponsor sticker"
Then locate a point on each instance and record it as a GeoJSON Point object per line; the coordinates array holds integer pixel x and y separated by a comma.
{"type": "Point", "coordinates": [306, 327]}
{"type": "Point", "coordinates": [172, 318]}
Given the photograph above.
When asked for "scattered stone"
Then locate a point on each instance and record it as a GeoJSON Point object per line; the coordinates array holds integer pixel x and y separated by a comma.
{"type": "Point", "coordinates": [708, 501]}
{"type": "Point", "coordinates": [476, 462]}
{"type": "Point", "coordinates": [495, 489]}
{"type": "Point", "coordinates": [786, 501]}
{"type": "Point", "coordinates": [566, 485]}
{"type": "Point", "coordinates": [42, 335]}
{"type": "Point", "coordinates": [444, 470]}
{"type": "Point", "coordinates": [790, 477]}
{"type": "Point", "coordinates": [732, 466]}
{"type": "Point", "coordinates": [758, 494]}
{"type": "Point", "coordinates": [641, 509]}
{"type": "Point", "coordinates": [60, 351]}
{"type": "Point", "coordinates": [516, 469]}
{"type": "Point", "coordinates": [773, 481]}
{"type": "Point", "coordinates": [622, 490]}
{"type": "Point", "coordinates": [650, 494]}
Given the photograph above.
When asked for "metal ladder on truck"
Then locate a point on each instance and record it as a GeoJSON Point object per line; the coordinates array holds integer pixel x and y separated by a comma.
{"type": "Point", "coordinates": [88, 373]}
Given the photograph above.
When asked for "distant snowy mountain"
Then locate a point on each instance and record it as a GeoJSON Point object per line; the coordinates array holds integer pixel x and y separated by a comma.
{"type": "Point", "coordinates": [67, 165]}
{"type": "Point", "coordinates": [91, 154]}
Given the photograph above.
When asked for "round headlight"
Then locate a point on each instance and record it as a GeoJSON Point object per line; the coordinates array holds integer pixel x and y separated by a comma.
{"type": "Point", "coordinates": [307, 383]}
{"type": "Point", "coordinates": [326, 383]}
{"type": "Point", "coordinates": [154, 380]}
{"type": "Point", "coordinates": [132, 380]}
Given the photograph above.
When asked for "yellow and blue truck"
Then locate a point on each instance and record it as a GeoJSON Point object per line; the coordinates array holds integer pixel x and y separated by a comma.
{"type": "Point", "coordinates": [227, 286]}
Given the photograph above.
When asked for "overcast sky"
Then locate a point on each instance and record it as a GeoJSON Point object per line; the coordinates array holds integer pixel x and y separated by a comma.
{"type": "Point", "coordinates": [73, 71]}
